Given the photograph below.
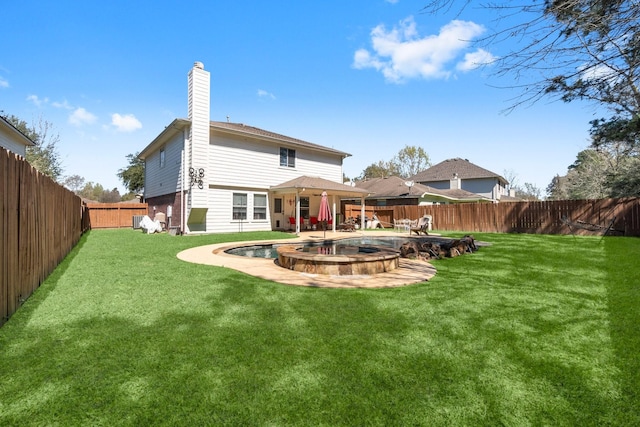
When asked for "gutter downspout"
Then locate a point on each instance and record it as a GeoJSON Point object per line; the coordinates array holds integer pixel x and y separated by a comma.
{"type": "Point", "coordinates": [183, 161]}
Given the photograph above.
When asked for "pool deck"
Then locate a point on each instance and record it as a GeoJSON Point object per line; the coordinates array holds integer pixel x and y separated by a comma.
{"type": "Point", "coordinates": [409, 271]}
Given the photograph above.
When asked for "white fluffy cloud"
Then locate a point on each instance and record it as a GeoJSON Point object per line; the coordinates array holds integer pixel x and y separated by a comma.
{"type": "Point", "coordinates": [125, 123]}
{"type": "Point", "coordinates": [80, 117]}
{"type": "Point", "coordinates": [401, 53]}
{"type": "Point", "coordinates": [37, 101]}
{"type": "Point", "coordinates": [473, 60]}
{"type": "Point", "coordinates": [4, 83]}
{"type": "Point", "coordinates": [64, 105]}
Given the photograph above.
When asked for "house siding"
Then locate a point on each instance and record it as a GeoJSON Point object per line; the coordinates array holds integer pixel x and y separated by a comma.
{"type": "Point", "coordinates": [257, 163]}
{"type": "Point", "coordinates": [164, 180]}
{"type": "Point", "coordinates": [230, 163]}
{"type": "Point", "coordinates": [485, 186]}
{"type": "Point", "coordinates": [10, 144]}
{"type": "Point", "coordinates": [220, 212]}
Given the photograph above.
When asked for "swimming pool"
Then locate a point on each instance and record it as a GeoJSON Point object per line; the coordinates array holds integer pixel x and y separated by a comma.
{"type": "Point", "coordinates": [325, 247]}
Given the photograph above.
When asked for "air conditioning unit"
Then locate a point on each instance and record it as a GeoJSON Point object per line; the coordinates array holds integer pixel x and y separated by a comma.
{"type": "Point", "coordinates": [136, 221]}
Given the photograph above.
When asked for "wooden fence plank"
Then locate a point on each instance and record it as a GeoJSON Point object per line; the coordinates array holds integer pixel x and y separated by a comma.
{"type": "Point", "coordinates": [41, 222]}
{"type": "Point", "coordinates": [520, 217]}
{"type": "Point", "coordinates": [115, 215]}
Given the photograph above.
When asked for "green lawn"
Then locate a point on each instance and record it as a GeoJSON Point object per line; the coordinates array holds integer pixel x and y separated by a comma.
{"type": "Point", "coordinates": [532, 330]}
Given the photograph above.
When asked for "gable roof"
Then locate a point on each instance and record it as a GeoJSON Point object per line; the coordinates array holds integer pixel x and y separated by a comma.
{"type": "Point", "coordinates": [394, 187]}
{"type": "Point", "coordinates": [20, 137]}
{"type": "Point", "coordinates": [391, 187]}
{"type": "Point", "coordinates": [312, 184]}
{"type": "Point", "coordinates": [243, 129]}
{"type": "Point", "coordinates": [178, 125]}
{"type": "Point", "coordinates": [445, 170]}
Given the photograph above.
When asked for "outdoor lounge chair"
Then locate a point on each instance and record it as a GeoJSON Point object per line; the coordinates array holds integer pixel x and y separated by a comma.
{"type": "Point", "coordinates": [422, 226]}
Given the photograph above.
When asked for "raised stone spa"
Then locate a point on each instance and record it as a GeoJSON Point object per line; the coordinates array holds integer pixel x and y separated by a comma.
{"type": "Point", "coordinates": [348, 261]}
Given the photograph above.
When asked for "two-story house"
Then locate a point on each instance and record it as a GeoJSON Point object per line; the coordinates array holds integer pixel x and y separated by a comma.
{"type": "Point", "coordinates": [461, 174]}
{"type": "Point", "coordinates": [211, 176]}
{"type": "Point", "coordinates": [12, 139]}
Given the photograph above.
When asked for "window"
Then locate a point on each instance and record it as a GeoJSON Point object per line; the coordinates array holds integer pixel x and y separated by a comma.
{"type": "Point", "coordinates": [287, 157]}
{"type": "Point", "coordinates": [259, 206]}
{"type": "Point", "coordinates": [277, 205]}
{"type": "Point", "coordinates": [162, 157]}
{"type": "Point", "coordinates": [304, 207]}
{"type": "Point", "coordinates": [239, 206]}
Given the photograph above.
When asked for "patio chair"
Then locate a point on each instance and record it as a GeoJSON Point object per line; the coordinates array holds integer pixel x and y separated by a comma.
{"type": "Point", "coordinates": [292, 222]}
{"type": "Point", "coordinates": [422, 227]}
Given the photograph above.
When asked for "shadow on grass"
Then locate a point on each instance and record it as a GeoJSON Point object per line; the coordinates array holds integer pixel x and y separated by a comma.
{"type": "Point", "coordinates": [623, 294]}
{"type": "Point", "coordinates": [510, 335]}
{"type": "Point", "coordinates": [41, 293]}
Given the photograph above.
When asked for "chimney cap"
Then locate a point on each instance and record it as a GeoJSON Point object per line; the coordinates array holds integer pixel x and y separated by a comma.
{"type": "Point", "coordinates": [198, 64]}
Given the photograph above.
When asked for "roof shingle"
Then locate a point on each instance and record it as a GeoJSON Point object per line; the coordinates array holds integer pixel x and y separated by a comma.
{"type": "Point", "coordinates": [445, 170]}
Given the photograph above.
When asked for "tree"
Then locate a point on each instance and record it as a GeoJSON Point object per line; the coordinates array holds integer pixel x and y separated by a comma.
{"type": "Point", "coordinates": [381, 169]}
{"type": "Point", "coordinates": [577, 50]}
{"type": "Point", "coordinates": [112, 196]}
{"type": "Point", "coordinates": [528, 191]}
{"type": "Point", "coordinates": [588, 176]}
{"type": "Point", "coordinates": [619, 139]}
{"type": "Point", "coordinates": [133, 175]}
{"type": "Point", "coordinates": [627, 183]}
{"type": "Point", "coordinates": [44, 155]}
{"type": "Point", "coordinates": [97, 193]}
{"type": "Point", "coordinates": [512, 178]}
{"type": "Point", "coordinates": [411, 160]}
{"type": "Point", "coordinates": [557, 188]}
{"type": "Point", "coordinates": [408, 162]}
{"type": "Point", "coordinates": [567, 49]}
{"type": "Point", "coordinates": [74, 183]}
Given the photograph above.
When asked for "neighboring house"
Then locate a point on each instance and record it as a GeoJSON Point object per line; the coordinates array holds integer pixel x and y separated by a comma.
{"type": "Point", "coordinates": [209, 176]}
{"type": "Point", "coordinates": [461, 174]}
{"type": "Point", "coordinates": [393, 190]}
{"type": "Point", "coordinates": [12, 139]}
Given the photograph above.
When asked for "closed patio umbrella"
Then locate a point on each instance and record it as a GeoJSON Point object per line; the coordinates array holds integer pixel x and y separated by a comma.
{"type": "Point", "coordinates": [324, 213]}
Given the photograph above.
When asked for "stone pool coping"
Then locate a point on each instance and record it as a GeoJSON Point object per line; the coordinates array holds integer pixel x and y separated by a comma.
{"type": "Point", "coordinates": [408, 272]}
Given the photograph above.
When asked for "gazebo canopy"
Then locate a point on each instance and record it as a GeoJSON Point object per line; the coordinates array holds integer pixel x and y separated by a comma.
{"type": "Point", "coordinates": [315, 186]}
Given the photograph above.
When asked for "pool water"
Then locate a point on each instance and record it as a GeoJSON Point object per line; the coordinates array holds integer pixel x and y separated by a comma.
{"type": "Point", "coordinates": [327, 247]}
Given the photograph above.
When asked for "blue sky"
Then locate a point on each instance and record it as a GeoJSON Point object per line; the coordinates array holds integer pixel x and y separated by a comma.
{"type": "Point", "coordinates": [366, 77]}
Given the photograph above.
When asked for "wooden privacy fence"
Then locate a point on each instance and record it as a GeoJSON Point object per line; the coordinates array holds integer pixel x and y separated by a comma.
{"type": "Point", "coordinates": [517, 217]}
{"type": "Point", "coordinates": [41, 223]}
{"type": "Point", "coordinates": [115, 215]}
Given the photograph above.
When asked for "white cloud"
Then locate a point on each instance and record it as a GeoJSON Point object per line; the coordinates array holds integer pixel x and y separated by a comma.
{"type": "Point", "coordinates": [64, 104]}
{"type": "Point", "coordinates": [401, 54]}
{"type": "Point", "coordinates": [600, 72]}
{"type": "Point", "coordinates": [125, 123]}
{"type": "Point", "coordinates": [36, 100]}
{"type": "Point", "coordinates": [265, 94]}
{"type": "Point", "coordinates": [80, 117]}
{"type": "Point", "coordinates": [473, 60]}
{"type": "Point", "coordinates": [4, 83]}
